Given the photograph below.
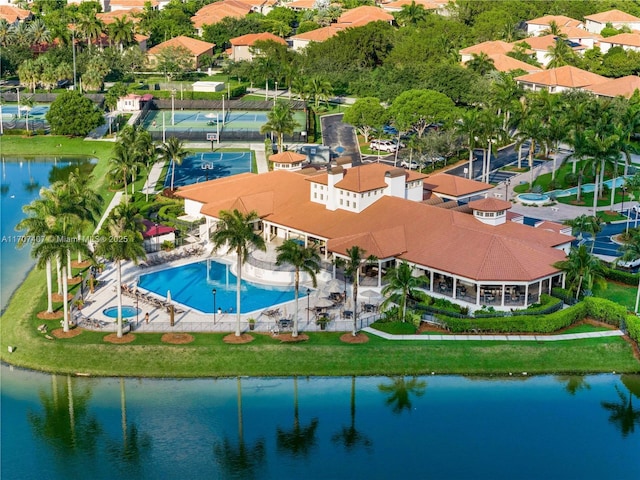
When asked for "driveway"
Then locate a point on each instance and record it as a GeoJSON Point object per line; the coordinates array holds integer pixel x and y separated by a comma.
{"type": "Point", "coordinates": [340, 137]}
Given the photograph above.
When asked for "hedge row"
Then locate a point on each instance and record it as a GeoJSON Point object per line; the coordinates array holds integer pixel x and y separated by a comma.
{"type": "Point", "coordinates": [596, 308]}
{"type": "Point", "coordinates": [565, 295]}
{"type": "Point", "coordinates": [627, 278]}
{"type": "Point", "coordinates": [633, 327]}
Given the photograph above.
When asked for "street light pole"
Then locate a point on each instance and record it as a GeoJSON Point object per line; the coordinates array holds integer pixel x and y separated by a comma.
{"type": "Point", "coordinates": [173, 113]}
{"type": "Point", "coordinates": [18, 94]}
{"type": "Point", "coordinates": [506, 189]}
{"type": "Point", "coordinates": [214, 305]}
{"type": "Point", "coordinates": [308, 304]}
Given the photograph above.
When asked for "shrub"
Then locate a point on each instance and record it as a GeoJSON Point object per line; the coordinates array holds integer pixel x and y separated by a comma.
{"type": "Point", "coordinates": [605, 310]}
{"type": "Point", "coordinates": [395, 328]}
{"type": "Point", "coordinates": [621, 276]}
{"type": "Point", "coordinates": [633, 327]}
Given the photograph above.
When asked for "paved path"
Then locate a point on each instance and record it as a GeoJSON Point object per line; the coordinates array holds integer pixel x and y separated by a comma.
{"type": "Point", "coordinates": [117, 197]}
{"type": "Point", "coordinates": [502, 338]}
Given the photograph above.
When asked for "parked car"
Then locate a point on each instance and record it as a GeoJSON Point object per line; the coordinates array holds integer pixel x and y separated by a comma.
{"type": "Point", "coordinates": [411, 165]}
{"type": "Point", "coordinates": [389, 130]}
{"type": "Point", "coordinates": [383, 145]}
{"type": "Point", "coordinates": [395, 142]}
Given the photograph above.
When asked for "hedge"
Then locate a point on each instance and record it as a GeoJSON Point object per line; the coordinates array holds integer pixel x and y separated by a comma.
{"type": "Point", "coordinates": [627, 278]}
{"type": "Point", "coordinates": [596, 308]}
{"type": "Point", "coordinates": [633, 327]}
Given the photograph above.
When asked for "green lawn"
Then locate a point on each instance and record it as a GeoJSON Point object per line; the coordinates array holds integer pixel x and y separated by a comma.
{"type": "Point", "coordinates": [619, 293]}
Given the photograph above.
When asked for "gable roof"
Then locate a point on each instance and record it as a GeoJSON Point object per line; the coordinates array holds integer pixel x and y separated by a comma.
{"type": "Point", "coordinates": [613, 16]}
{"type": "Point", "coordinates": [365, 14]}
{"type": "Point", "coordinates": [319, 34]}
{"type": "Point", "coordinates": [505, 63]}
{"type": "Point", "coordinates": [288, 157]}
{"type": "Point", "coordinates": [561, 21]}
{"type": "Point", "coordinates": [11, 14]}
{"type": "Point", "coordinates": [110, 17]}
{"type": "Point", "coordinates": [623, 86]}
{"type": "Point", "coordinates": [490, 47]}
{"type": "Point", "coordinates": [215, 12]}
{"type": "Point", "coordinates": [546, 41]}
{"type": "Point", "coordinates": [196, 47]}
{"type": "Point", "coordinates": [251, 38]}
{"type": "Point", "coordinates": [566, 76]}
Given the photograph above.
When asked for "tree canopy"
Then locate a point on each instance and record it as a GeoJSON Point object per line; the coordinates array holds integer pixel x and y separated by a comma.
{"type": "Point", "coordinates": [73, 114]}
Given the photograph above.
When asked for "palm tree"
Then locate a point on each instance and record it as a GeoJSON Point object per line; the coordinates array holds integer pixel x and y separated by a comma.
{"type": "Point", "coordinates": [27, 103]}
{"type": "Point", "coordinates": [173, 151]}
{"type": "Point", "coordinates": [560, 54]}
{"type": "Point", "coordinates": [603, 148]}
{"type": "Point", "coordinates": [87, 201]}
{"type": "Point", "coordinates": [121, 240]}
{"type": "Point", "coordinates": [553, 29]}
{"type": "Point", "coordinates": [400, 391]}
{"type": "Point", "coordinates": [469, 127]}
{"type": "Point", "coordinates": [280, 121]}
{"type": "Point", "coordinates": [631, 251]}
{"type": "Point", "coordinates": [481, 63]}
{"type": "Point", "coordinates": [29, 74]}
{"type": "Point", "coordinates": [401, 280]}
{"type": "Point", "coordinates": [122, 163]}
{"type": "Point", "coordinates": [531, 130]}
{"type": "Point", "coordinates": [5, 33]}
{"type": "Point", "coordinates": [121, 32]}
{"type": "Point", "coordinates": [411, 14]}
{"type": "Point", "coordinates": [582, 268]}
{"type": "Point", "coordinates": [319, 89]}
{"type": "Point", "coordinates": [302, 258]}
{"type": "Point", "coordinates": [39, 32]}
{"type": "Point", "coordinates": [355, 261]}
{"type": "Point", "coordinates": [235, 231]}
{"type": "Point", "coordinates": [90, 27]}
{"type": "Point", "coordinates": [585, 224]}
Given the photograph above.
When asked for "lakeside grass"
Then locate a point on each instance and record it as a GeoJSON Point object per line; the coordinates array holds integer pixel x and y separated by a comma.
{"type": "Point", "coordinates": [323, 354]}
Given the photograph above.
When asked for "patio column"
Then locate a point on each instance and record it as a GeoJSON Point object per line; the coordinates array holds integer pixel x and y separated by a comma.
{"type": "Point", "coordinates": [564, 279]}
{"type": "Point", "coordinates": [379, 273]}
{"type": "Point", "coordinates": [454, 294]}
{"type": "Point", "coordinates": [504, 288]}
{"type": "Point", "coordinates": [431, 280]}
{"type": "Point", "coordinates": [526, 295]}
{"type": "Point", "coordinates": [539, 289]}
{"type": "Point", "coordinates": [477, 294]}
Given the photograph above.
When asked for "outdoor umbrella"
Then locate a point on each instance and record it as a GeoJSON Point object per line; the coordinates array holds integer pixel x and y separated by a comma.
{"type": "Point", "coordinates": [334, 286]}
{"type": "Point", "coordinates": [370, 295]}
{"type": "Point", "coordinates": [171, 311]}
{"type": "Point", "coordinates": [322, 302]}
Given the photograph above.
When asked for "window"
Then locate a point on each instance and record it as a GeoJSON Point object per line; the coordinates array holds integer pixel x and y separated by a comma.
{"type": "Point", "coordinates": [341, 201]}
{"type": "Point", "coordinates": [315, 194]}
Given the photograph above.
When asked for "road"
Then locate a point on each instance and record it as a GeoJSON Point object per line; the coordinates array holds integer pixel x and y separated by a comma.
{"type": "Point", "coordinates": [340, 137]}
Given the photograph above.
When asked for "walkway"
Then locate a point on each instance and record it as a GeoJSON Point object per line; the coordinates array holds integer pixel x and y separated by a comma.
{"type": "Point", "coordinates": [500, 338]}
{"type": "Point", "coordinates": [117, 197]}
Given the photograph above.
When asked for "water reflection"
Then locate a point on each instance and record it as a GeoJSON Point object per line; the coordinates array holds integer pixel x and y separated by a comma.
{"type": "Point", "coordinates": [60, 172]}
{"type": "Point", "coordinates": [240, 460]}
{"type": "Point", "coordinates": [399, 392]}
{"type": "Point", "coordinates": [300, 440]}
{"type": "Point", "coordinates": [574, 383]}
{"type": "Point", "coordinates": [349, 436]}
{"type": "Point", "coordinates": [622, 413]}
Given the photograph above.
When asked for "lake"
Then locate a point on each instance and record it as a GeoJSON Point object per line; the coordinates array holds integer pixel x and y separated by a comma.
{"type": "Point", "coordinates": [22, 179]}
{"type": "Point", "coordinates": [59, 427]}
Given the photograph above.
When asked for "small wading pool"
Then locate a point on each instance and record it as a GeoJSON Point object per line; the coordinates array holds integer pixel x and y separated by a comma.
{"type": "Point", "coordinates": [127, 312]}
{"type": "Point", "coordinates": [533, 198]}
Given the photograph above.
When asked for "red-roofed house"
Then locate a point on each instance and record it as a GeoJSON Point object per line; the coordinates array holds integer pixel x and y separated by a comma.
{"type": "Point", "coordinates": [197, 48]}
{"type": "Point", "coordinates": [215, 12]}
{"type": "Point", "coordinates": [490, 48]}
{"type": "Point", "coordinates": [540, 46]}
{"type": "Point", "coordinates": [428, 5]}
{"type": "Point", "coordinates": [595, 23]}
{"type": "Point", "coordinates": [617, 87]}
{"type": "Point", "coordinates": [242, 48]}
{"type": "Point", "coordinates": [14, 15]}
{"type": "Point", "coordinates": [110, 17]}
{"type": "Point", "coordinates": [581, 36]}
{"type": "Point", "coordinates": [469, 260]}
{"type": "Point", "coordinates": [318, 35]}
{"type": "Point", "coordinates": [356, 17]}
{"type": "Point", "coordinates": [628, 41]}
{"type": "Point", "coordinates": [301, 5]}
{"type": "Point", "coordinates": [559, 79]}
{"type": "Point", "coordinates": [129, 4]}
{"type": "Point", "coordinates": [539, 25]}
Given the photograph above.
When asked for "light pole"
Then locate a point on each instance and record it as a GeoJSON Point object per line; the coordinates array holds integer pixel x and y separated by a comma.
{"type": "Point", "coordinates": [18, 94]}
{"type": "Point", "coordinates": [157, 239]}
{"type": "Point", "coordinates": [173, 113]}
{"type": "Point", "coordinates": [275, 94]}
{"type": "Point", "coordinates": [135, 292]}
{"type": "Point", "coordinates": [223, 109]}
{"type": "Point", "coordinates": [624, 189]}
{"type": "Point", "coordinates": [308, 304]}
{"type": "Point", "coordinates": [214, 305]}
{"type": "Point", "coordinates": [73, 49]}
{"type": "Point", "coordinates": [506, 189]}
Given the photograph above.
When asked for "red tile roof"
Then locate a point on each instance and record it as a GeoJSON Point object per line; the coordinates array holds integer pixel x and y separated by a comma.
{"type": "Point", "coordinates": [319, 34]}
{"type": "Point", "coordinates": [505, 63]}
{"type": "Point", "coordinates": [252, 38]}
{"type": "Point", "coordinates": [626, 39]}
{"type": "Point", "coordinates": [110, 17]}
{"type": "Point", "coordinates": [545, 42]}
{"type": "Point", "coordinates": [623, 86]}
{"type": "Point", "coordinates": [365, 14]}
{"type": "Point", "coordinates": [566, 76]}
{"type": "Point", "coordinates": [489, 47]}
{"type": "Point", "coordinates": [612, 16]}
{"type": "Point", "coordinates": [196, 47]}
{"type": "Point", "coordinates": [288, 157]}
{"type": "Point", "coordinates": [561, 21]}
{"type": "Point", "coordinates": [490, 205]}
{"type": "Point", "coordinates": [367, 177]}
{"type": "Point", "coordinates": [11, 13]}
{"type": "Point", "coordinates": [454, 186]}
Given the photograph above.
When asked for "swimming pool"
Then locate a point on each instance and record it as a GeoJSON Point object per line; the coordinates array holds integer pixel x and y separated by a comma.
{"type": "Point", "coordinates": [207, 166]}
{"type": "Point", "coordinates": [192, 285]}
{"type": "Point", "coordinates": [127, 312]}
{"type": "Point", "coordinates": [533, 198]}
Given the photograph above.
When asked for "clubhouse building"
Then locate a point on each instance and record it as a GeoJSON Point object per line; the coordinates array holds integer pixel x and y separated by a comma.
{"type": "Point", "coordinates": [474, 253]}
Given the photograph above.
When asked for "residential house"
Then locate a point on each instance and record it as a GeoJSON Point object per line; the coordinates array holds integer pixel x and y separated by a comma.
{"type": "Point", "coordinates": [109, 17]}
{"type": "Point", "coordinates": [215, 12]}
{"type": "Point", "coordinates": [114, 5]}
{"type": "Point", "coordinates": [541, 45]}
{"type": "Point", "coordinates": [318, 35]}
{"type": "Point", "coordinates": [470, 259]}
{"type": "Point", "coordinates": [301, 5]}
{"type": "Point", "coordinates": [560, 79]}
{"type": "Point", "coordinates": [623, 86]}
{"type": "Point", "coordinates": [491, 47]}
{"type": "Point", "coordinates": [618, 19]}
{"type": "Point", "coordinates": [14, 15]}
{"type": "Point", "coordinates": [242, 48]}
{"type": "Point", "coordinates": [428, 5]}
{"type": "Point", "coordinates": [197, 48]}
{"type": "Point", "coordinates": [628, 41]}
{"type": "Point", "coordinates": [581, 36]}
{"type": "Point", "coordinates": [540, 25]}
{"type": "Point", "coordinates": [356, 17]}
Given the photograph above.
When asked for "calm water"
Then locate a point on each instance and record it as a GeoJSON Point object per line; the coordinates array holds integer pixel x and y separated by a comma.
{"type": "Point", "coordinates": [192, 285]}
{"type": "Point", "coordinates": [283, 428]}
{"type": "Point", "coordinates": [21, 181]}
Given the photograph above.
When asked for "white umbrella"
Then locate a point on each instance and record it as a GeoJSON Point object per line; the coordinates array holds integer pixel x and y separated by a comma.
{"type": "Point", "coordinates": [322, 303]}
{"type": "Point", "coordinates": [370, 295]}
{"type": "Point", "coordinates": [334, 286]}
{"type": "Point", "coordinates": [211, 115]}
{"type": "Point", "coordinates": [168, 296]}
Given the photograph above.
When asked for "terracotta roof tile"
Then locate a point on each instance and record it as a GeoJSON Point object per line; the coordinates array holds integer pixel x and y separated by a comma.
{"type": "Point", "coordinates": [365, 14]}
{"type": "Point", "coordinates": [490, 205]}
{"type": "Point", "coordinates": [318, 35]}
{"type": "Point", "coordinates": [505, 63]}
{"type": "Point", "coordinates": [426, 4]}
{"type": "Point", "coordinates": [545, 42]}
{"type": "Point", "coordinates": [623, 86]}
{"type": "Point", "coordinates": [11, 13]}
{"type": "Point", "coordinates": [489, 47]}
{"type": "Point", "coordinates": [132, 3]}
{"type": "Point", "coordinates": [367, 177]}
{"type": "Point", "coordinates": [386, 243]}
{"type": "Point", "coordinates": [252, 38]}
{"type": "Point", "coordinates": [561, 21]}
{"type": "Point", "coordinates": [626, 39]}
{"type": "Point", "coordinates": [215, 12]}
{"type": "Point", "coordinates": [110, 17]}
{"type": "Point", "coordinates": [287, 157]}
{"type": "Point", "coordinates": [566, 76]}
{"type": "Point", "coordinates": [454, 186]}
{"type": "Point", "coordinates": [612, 16]}
{"type": "Point", "coordinates": [301, 4]}
{"type": "Point", "coordinates": [196, 47]}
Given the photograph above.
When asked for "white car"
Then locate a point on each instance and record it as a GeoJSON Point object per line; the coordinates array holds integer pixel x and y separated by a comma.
{"type": "Point", "coordinates": [411, 165]}
{"type": "Point", "coordinates": [383, 145]}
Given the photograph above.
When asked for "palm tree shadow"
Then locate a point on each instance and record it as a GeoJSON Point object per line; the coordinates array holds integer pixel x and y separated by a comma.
{"type": "Point", "coordinates": [574, 383]}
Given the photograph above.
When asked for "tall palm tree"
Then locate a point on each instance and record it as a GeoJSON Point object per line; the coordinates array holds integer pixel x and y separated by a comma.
{"type": "Point", "coordinates": [531, 130]}
{"type": "Point", "coordinates": [173, 151]}
{"type": "Point", "coordinates": [585, 224]}
{"type": "Point", "coordinates": [402, 281]}
{"type": "Point", "coordinates": [122, 164]}
{"type": "Point", "coordinates": [39, 32]}
{"type": "Point", "coordinates": [87, 201]}
{"type": "Point", "coordinates": [603, 148]}
{"type": "Point", "coordinates": [560, 54]}
{"type": "Point", "coordinates": [581, 268]}
{"type": "Point", "coordinates": [29, 74]}
{"type": "Point", "coordinates": [320, 90]}
{"type": "Point", "coordinates": [280, 121]}
{"type": "Point", "coordinates": [481, 63]}
{"type": "Point", "coordinates": [302, 258]}
{"type": "Point", "coordinates": [121, 240]}
{"type": "Point", "coordinates": [631, 251]}
{"type": "Point", "coordinates": [355, 261]}
{"type": "Point", "coordinates": [411, 14]}
{"type": "Point", "coordinates": [121, 31]}
{"type": "Point", "coordinates": [469, 127]}
{"type": "Point", "coordinates": [400, 391]}
{"type": "Point", "coordinates": [90, 28]}
{"type": "Point", "coordinates": [235, 231]}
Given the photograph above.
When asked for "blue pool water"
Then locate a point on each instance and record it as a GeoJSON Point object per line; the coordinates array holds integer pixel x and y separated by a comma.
{"type": "Point", "coordinates": [192, 285]}
{"type": "Point", "coordinates": [21, 181]}
{"type": "Point", "coordinates": [588, 188]}
{"type": "Point", "coordinates": [127, 312]}
{"type": "Point", "coordinates": [208, 166]}
{"type": "Point", "coordinates": [537, 198]}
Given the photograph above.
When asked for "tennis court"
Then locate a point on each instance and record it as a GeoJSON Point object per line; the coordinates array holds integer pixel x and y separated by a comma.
{"type": "Point", "coordinates": [37, 112]}
{"type": "Point", "coordinates": [211, 121]}
{"type": "Point", "coordinates": [204, 166]}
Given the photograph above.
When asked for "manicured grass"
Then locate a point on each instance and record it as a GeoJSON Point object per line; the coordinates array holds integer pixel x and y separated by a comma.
{"type": "Point", "coordinates": [608, 217]}
{"type": "Point", "coordinates": [619, 293]}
